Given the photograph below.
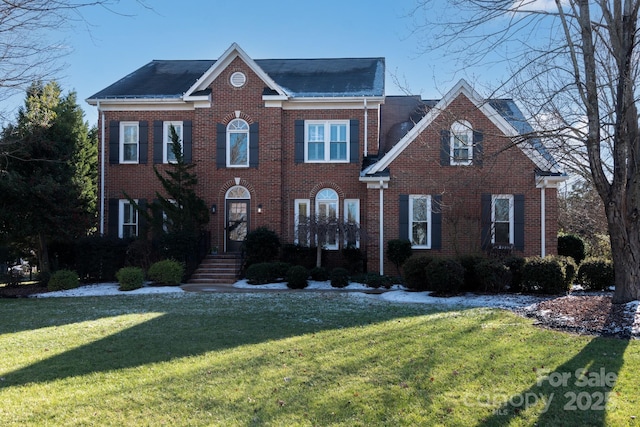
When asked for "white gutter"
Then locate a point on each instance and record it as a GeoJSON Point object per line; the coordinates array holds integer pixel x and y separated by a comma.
{"type": "Point", "coordinates": [101, 170]}
{"type": "Point", "coordinates": [366, 125]}
{"type": "Point", "coordinates": [543, 222]}
{"type": "Point", "coordinates": [381, 230]}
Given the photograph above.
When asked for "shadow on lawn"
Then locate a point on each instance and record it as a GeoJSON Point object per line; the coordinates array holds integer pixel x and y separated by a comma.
{"type": "Point", "coordinates": [181, 331]}
{"type": "Point", "coordinates": [578, 389]}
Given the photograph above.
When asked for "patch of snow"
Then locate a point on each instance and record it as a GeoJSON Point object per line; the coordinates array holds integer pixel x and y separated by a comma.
{"type": "Point", "coordinates": [109, 289]}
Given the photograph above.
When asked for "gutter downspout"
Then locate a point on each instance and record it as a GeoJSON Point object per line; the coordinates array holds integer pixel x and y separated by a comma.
{"type": "Point", "coordinates": [102, 127]}
{"type": "Point", "coordinates": [366, 126]}
{"type": "Point", "coordinates": [543, 222]}
{"type": "Point", "coordinates": [381, 229]}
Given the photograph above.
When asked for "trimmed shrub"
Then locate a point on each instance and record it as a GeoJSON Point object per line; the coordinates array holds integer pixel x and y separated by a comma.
{"type": "Point", "coordinates": [319, 274]}
{"type": "Point", "coordinates": [543, 275]}
{"type": "Point", "coordinates": [398, 251]}
{"type": "Point", "coordinates": [98, 258]}
{"type": "Point", "coordinates": [297, 277]}
{"type": "Point", "coordinates": [299, 255]}
{"type": "Point", "coordinates": [354, 259]}
{"type": "Point", "coordinates": [261, 245]}
{"type": "Point", "coordinates": [571, 245]}
{"type": "Point", "coordinates": [446, 276]}
{"type": "Point", "coordinates": [280, 269]}
{"type": "Point", "coordinates": [414, 273]}
{"type": "Point", "coordinates": [62, 280]}
{"type": "Point", "coordinates": [595, 274]}
{"type": "Point", "coordinates": [569, 269]}
{"type": "Point", "coordinates": [492, 275]}
{"type": "Point", "coordinates": [339, 277]}
{"type": "Point", "coordinates": [130, 278]}
{"type": "Point", "coordinates": [260, 273]}
{"type": "Point", "coordinates": [515, 264]}
{"type": "Point", "coordinates": [167, 272]}
{"type": "Point", "coordinates": [469, 262]}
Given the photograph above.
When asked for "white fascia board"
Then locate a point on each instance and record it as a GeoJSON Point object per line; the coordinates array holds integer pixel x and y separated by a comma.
{"type": "Point", "coordinates": [552, 181]}
{"type": "Point", "coordinates": [333, 103]}
{"type": "Point", "coordinates": [139, 105]}
{"type": "Point", "coordinates": [234, 51]}
{"type": "Point", "coordinates": [375, 181]}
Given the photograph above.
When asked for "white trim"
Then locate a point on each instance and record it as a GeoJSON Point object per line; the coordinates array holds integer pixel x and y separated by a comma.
{"type": "Point", "coordinates": [509, 197]}
{"type": "Point", "coordinates": [427, 244]}
{"type": "Point", "coordinates": [296, 213]}
{"type": "Point", "coordinates": [543, 222]}
{"type": "Point", "coordinates": [346, 203]}
{"type": "Point", "coordinates": [327, 201]}
{"type": "Point", "coordinates": [327, 124]}
{"type": "Point", "coordinates": [331, 103]}
{"type": "Point", "coordinates": [228, 147]}
{"type": "Point", "coordinates": [121, 143]}
{"type": "Point", "coordinates": [121, 224]}
{"type": "Point", "coordinates": [166, 136]}
{"type": "Point", "coordinates": [457, 128]}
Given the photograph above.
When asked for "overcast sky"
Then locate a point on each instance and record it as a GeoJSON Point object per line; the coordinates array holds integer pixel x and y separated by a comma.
{"type": "Point", "coordinates": [107, 46]}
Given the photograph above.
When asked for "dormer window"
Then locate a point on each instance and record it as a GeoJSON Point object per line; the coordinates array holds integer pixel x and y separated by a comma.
{"type": "Point", "coordinates": [461, 143]}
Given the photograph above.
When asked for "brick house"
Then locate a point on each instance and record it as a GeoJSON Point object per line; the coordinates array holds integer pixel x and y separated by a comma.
{"type": "Point", "coordinates": [277, 140]}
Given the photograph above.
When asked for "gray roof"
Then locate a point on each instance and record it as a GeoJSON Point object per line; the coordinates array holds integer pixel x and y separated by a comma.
{"type": "Point", "coordinates": [297, 77]}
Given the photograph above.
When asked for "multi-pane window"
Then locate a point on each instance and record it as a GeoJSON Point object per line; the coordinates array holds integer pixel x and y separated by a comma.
{"type": "Point", "coordinates": [502, 219]}
{"type": "Point", "coordinates": [352, 222]}
{"type": "Point", "coordinates": [327, 218]}
{"type": "Point", "coordinates": [420, 221]}
{"type": "Point", "coordinates": [238, 143]}
{"type": "Point", "coordinates": [327, 141]}
{"type": "Point", "coordinates": [168, 156]}
{"type": "Point", "coordinates": [128, 220]}
{"type": "Point", "coordinates": [302, 221]}
{"type": "Point", "coordinates": [461, 143]}
{"type": "Point", "coordinates": [129, 142]}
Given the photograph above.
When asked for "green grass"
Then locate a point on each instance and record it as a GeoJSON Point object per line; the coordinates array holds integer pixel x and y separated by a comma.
{"type": "Point", "coordinates": [308, 359]}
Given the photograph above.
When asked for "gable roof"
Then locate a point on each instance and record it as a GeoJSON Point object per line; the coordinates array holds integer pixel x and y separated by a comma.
{"type": "Point", "coordinates": [504, 114]}
{"type": "Point", "coordinates": [327, 77]}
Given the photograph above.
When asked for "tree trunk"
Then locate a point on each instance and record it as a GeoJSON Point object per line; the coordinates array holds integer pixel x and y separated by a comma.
{"type": "Point", "coordinates": [43, 254]}
{"type": "Point", "coordinates": [624, 233]}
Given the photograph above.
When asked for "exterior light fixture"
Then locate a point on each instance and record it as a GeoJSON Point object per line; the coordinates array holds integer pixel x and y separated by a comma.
{"type": "Point", "coordinates": [259, 209]}
{"type": "Point", "coordinates": [214, 208]}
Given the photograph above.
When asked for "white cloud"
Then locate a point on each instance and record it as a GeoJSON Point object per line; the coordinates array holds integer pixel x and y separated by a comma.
{"type": "Point", "coordinates": [536, 5]}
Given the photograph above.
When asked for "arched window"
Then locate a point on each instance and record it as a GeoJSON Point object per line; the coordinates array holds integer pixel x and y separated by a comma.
{"type": "Point", "coordinates": [327, 218]}
{"type": "Point", "coordinates": [461, 143]}
{"type": "Point", "coordinates": [238, 143]}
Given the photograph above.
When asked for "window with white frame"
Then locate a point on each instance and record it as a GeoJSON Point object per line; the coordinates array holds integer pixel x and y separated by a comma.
{"type": "Point", "coordinates": [420, 221]}
{"type": "Point", "coordinates": [302, 221]}
{"type": "Point", "coordinates": [461, 144]}
{"type": "Point", "coordinates": [327, 141]}
{"type": "Point", "coordinates": [327, 214]}
{"type": "Point", "coordinates": [129, 142]}
{"type": "Point", "coordinates": [352, 223]}
{"type": "Point", "coordinates": [167, 147]}
{"type": "Point", "coordinates": [502, 219]}
{"type": "Point", "coordinates": [128, 220]}
{"type": "Point", "coordinates": [238, 143]}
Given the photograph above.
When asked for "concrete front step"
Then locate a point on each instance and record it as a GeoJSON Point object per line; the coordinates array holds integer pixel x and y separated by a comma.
{"type": "Point", "coordinates": [217, 269]}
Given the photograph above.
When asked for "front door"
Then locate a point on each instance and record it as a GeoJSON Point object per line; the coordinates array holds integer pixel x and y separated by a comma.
{"type": "Point", "coordinates": [237, 224]}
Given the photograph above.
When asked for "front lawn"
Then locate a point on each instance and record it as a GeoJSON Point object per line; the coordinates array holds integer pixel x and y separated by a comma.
{"type": "Point", "coordinates": [309, 359]}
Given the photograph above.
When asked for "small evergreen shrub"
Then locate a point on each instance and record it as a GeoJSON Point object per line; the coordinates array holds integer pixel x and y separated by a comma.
{"type": "Point", "coordinates": [398, 251]}
{"type": "Point", "coordinates": [543, 275]}
{"type": "Point", "coordinates": [515, 264]}
{"type": "Point", "coordinates": [469, 262]}
{"type": "Point", "coordinates": [261, 245]}
{"type": "Point", "coordinates": [354, 259]}
{"type": "Point", "coordinates": [339, 277]}
{"type": "Point", "coordinates": [296, 277]}
{"type": "Point", "coordinates": [319, 274]}
{"type": "Point", "coordinates": [167, 272]}
{"type": "Point", "coordinates": [130, 278]}
{"type": "Point", "coordinates": [595, 274]}
{"type": "Point", "coordinates": [414, 273]}
{"type": "Point", "coordinates": [572, 246]}
{"type": "Point", "coordinates": [492, 275]}
{"type": "Point", "coordinates": [62, 280]}
{"type": "Point", "coordinates": [261, 273]}
{"type": "Point", "coordinates": [569, 269]}
{"type": "Point", "coordinates": [446, 276]}
{"type": "Point", "coordinates": [280, 269]}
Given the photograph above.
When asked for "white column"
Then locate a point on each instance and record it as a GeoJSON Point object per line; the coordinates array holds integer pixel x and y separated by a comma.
{"type": "Point", "coordinates": [366, 126]}
{"type": "Point", "coordinates": [102, 171]}
{"type": "Point", "coordinates": [381, 230]}
{"type": "Point", "coordinates": [543, 222]}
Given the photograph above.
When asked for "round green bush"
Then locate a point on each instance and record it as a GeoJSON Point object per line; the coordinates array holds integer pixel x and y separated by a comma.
{"type": "Point", "coordinates": [569, 269]}
{"type": "Point", "coordinates": [446, 276]}
{"type": "Point", "coordinates": [62, 280]}
{"type": "Point", "coordinates": [492, 275]}
{"type": "Point", "coordinates": [415, 277]}
{"type": "Point", "coordinates": [571, 245]}
{"type": "Point", "coordinates": [267, 272]}
{"type": "Point", "coordinates": [515, 264]}
{"type": "Point", "coordinates": [469, 262]}
{"type": "Point", "coordinates": [595, 274]}
{"type": "Point", "coordinates": [339, 277]}
{"type": "Point", "coordinates": [544, 276]}
{"type": "Point", "coordinates": [374, 280]}
{"type": "Point", "coordinates": [130, 278]}
{"type": "Point", "coordinates": [319, 274]}
{"type": "Point", "coordinates": [398, 251]}
{"type": "Point", "coordinates": [297, 277]}
{"type": "Point", "coordinates": [280, 269]}
{"type": "Point", "coordinates": [261, 245]}
{"type": "Point", "coordinates": [167, 272]}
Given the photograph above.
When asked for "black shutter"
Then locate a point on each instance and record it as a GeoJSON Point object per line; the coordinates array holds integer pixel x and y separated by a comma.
{"type": "Point", "coordinates": [187, 141]}
{"type": "Point", "coordinates": [436, 222]}
{"type": "Point", "coordinates": [143, 142]}
{"type": "Point", "coordinates": [299, 142]}
{"type": "Point", "coordinates": [114, 215]}
{"type": "Point", "coordinates": [485, 221]}
{"type": "Point", "coordinates": [403, 220]}
{"type": "Point", "coordinates": [114, 142]}
{"type": "Point", "coordinates": [158, 141]}
{"type": "Point", "coordinates": [518, 222]}
{"type": "Point", "coordinates": [221, 146]}
{"type": "Point", "coordinates": [478, 148]}
{"type": "Point", "coordinates": [253, 145]}
{"type": "Point", "coordinates": [354, 143]}
{"type": "Point", "coordinates": [142, 218]}
{"type": "Point", "coordinates": [445, 155]}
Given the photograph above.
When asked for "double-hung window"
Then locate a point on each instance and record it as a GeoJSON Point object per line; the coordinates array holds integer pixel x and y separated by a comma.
{"type": "Point", "coordinates": [238, 143]}
{"type": "Point", "coordinates": [302, 222]}
{"type": "Point", "coordinates": [128, 220]}
{"type": "Point", "coordinates": [327, 218]}
{"type": "Point", "coordinates": [352, 222]}
{"type": "Point", "coordinates": [129, 142]}
{"type": "Point", "coordinates": [420, 221]}
{"type": "Point", "coordinates": [167, 147]}
{"type": "Point", "coordinates": [327, 141]}
{"type": "Point", "coordinates": [502, 219]}
{"type": "Point", "coordinates": [461, 144]}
